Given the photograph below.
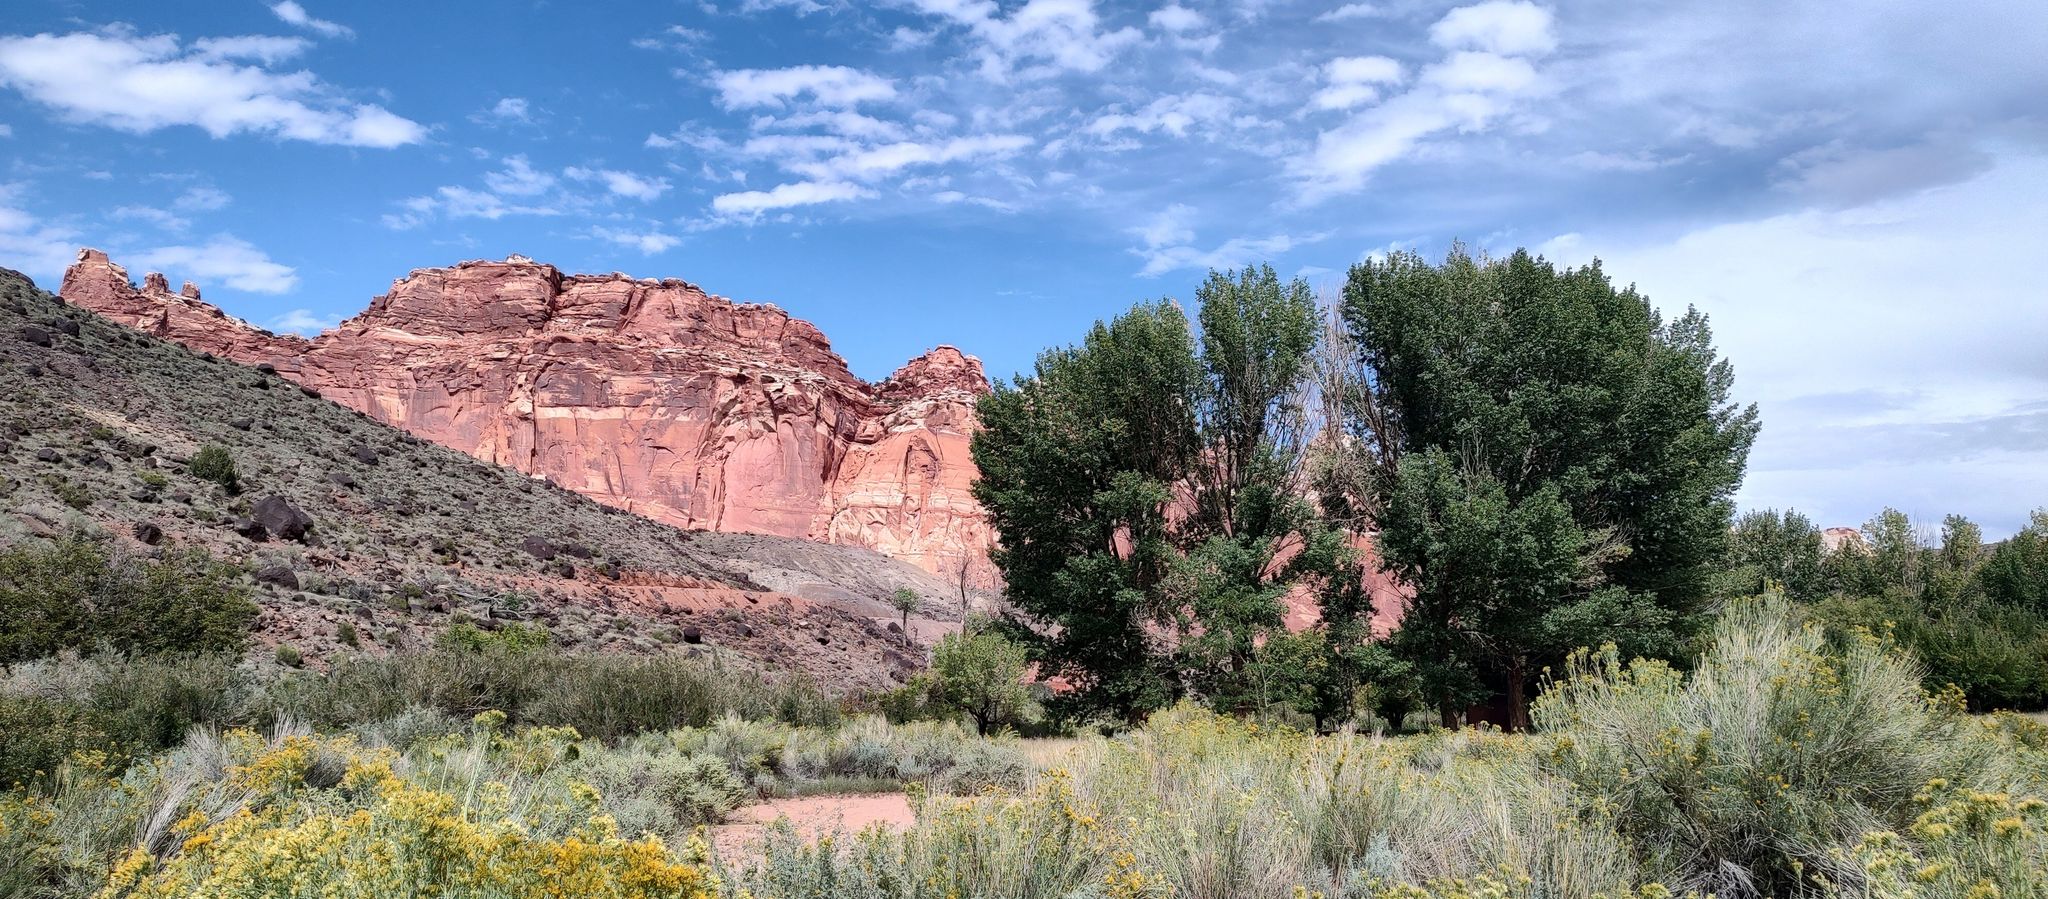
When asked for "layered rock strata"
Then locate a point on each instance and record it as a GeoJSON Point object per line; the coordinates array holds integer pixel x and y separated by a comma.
{"type": "Point", "coordinates": [649, 395]}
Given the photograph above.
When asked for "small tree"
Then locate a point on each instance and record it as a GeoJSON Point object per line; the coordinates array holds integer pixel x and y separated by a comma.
{"type": "Point", "coordinates": [213, 463]}
{"type": "Point", "coordinates": [904, 600]}
{"type": "Point", "coordinates": [980, 674]}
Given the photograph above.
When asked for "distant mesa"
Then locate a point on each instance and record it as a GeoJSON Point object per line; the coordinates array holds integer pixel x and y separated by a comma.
{"type": "Point", "coordinates": [648, 395]}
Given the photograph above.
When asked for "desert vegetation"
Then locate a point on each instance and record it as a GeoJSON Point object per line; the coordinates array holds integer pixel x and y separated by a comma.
{"type": "Point", "coordinates": [1604, 682]}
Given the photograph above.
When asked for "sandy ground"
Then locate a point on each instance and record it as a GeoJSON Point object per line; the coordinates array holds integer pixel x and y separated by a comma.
{"type": "Point", "coordinates": [813, 817]}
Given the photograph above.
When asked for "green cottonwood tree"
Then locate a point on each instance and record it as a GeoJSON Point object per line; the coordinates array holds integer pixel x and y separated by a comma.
{"type": "Point", "coordinates": [1146, 489]}
{"type": "Point", "coordinates": [1768, 548]}
{"type": "Point", "coordinates": [1550, 462]}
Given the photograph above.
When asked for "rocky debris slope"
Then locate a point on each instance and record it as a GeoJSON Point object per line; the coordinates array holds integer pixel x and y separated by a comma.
{"type": "Point", "coordinates": [359, 537]}
{"type": "Point", "coordinates": [647, 395]}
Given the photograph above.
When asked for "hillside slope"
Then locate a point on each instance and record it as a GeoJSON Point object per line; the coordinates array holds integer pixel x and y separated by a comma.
{"type": "Point", "coordinates": [650, 395]}
{"type": "Point", "coordinates": [98, 421]}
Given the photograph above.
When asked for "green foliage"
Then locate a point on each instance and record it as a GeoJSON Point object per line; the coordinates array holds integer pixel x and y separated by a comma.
{"type": "Point", "coordinates": [115, 708]}
{"type": "Point", "coordinates": [1748, 776]}
{"type": "Point", "coordinates": [1769, 552]}
{"type": "Point", "coordinates": [1995, 654]}
{"type": "Point", "coordinates": [904, 600]}
{"type": "Point", "coordinates": [213, 463]}
{"type": "Point", "coordinates": [603, 696]}
{"type": "Point", "coordinates": [289, 656]}
{"type": "Point", "coordinates": [1149, 480]}
{"type": "Point", "coordinates": [82, 593]}
{"type": "Point", "coordinates": [1549, 461]}
{"type": "Point", "coordinates": [2016, 571]}
{"type": "Point", "coordinates": [980, 674]}
{"type": "Point", "coordinates": [512, 639]}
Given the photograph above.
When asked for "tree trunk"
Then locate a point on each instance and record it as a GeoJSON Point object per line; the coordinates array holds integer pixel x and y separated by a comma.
{"type": "Point", "coordinates": [1518, 699]}
{"type": "Point", "coordinates": [1449, 715]}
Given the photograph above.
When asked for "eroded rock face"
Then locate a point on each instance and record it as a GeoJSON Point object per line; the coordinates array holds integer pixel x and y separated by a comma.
{"type": "Point", "coordinates": [648, 395]}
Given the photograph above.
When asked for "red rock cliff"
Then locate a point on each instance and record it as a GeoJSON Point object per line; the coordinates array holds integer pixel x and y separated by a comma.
{"type": "Point", "coordinates": [648, 395]}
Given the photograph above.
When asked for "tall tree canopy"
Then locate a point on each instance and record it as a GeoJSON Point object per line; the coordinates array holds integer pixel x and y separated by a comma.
{"type": "Point", "coordinates": [1146, 489]}
{"type": "Point", "coordinates": [1549, 462]}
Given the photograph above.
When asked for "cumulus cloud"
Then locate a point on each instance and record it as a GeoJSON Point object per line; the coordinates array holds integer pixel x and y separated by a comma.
{"type": "Point", "coordinates": [784, 196]}
{"type": "Point", "coordinates": [839, 86]}
{"type": "Point", "coordinates": [1176, 18]}
{"type": "Point", "coordinates": [224, 259]}
{"type": "Point", "coordinates": [140, 84]}
{"type": "Point", "coordinates": [1506, 27]}
{"type": "Point", "coordinates": [291, 13]}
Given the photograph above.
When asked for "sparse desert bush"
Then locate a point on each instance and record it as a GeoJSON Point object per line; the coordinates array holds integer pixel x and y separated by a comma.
{"type": "Point", "coordinates": [213, 463]}
{"type": "Point", "coordinates": [82, 593]}
{"type": "Point", "coordinates": [1748, 776]}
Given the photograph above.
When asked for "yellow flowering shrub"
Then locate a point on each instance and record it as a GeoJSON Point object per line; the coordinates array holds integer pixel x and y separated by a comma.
{"type": "Point", "coordinates": [376, 834]}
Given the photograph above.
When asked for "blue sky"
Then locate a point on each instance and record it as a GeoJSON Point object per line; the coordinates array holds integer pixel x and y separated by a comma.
{"type": "Point", "coordinates": [1857, 193]}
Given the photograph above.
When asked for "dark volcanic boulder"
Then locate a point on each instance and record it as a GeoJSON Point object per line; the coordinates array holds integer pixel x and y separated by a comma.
{"type": "Point", "coordinates": [35, 335]}
{"type": "Point", "coordinates": [278, 575]}
{"type": "Point", "coordinates": [539, 547]}
{"type": "Point", "coordinates": [281, 518]}
{"type": "Point", "coordinates": [149, 533]}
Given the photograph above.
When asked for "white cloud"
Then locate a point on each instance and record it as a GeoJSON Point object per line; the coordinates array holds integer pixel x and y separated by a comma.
{"type": "Point", "coordinates": [1176, 19]}
{"type": "Point", "coordinates": [1508, 27]}
{"type": "Point", "coordinates": [648, 242]}
{"type": "Point", "coordinates": [6, 130]}
{"type": "Point", "coordinates": [827, 85]}
{"type": "Point", "coordinates": [519, 179]}
{"type": "Point", "coordinates": [202, 199]}
{"type": "Point", "coordinates": [141, 84]}
{"type": "Point", "coordinates": [265, 49]}
{"type": "Point", "coordinates": [624, 184]}
{"type": "Point", "coordinates": [303, 322]}
{"type": "Point", "coordinates": [1039, 39]}
{"type": "Point", "coordinates": [511, 110]}
{"type": "Point", "coordinates": [224, 259]}
{"type": "Point", "coordinates": [291, 13]}
{"type": "Point", "coordinates": [1823, 309]}
{"type": "Point", "coordinates": [152, 215]}
{"type": "Point", "coordinates": [1173, 225]}
{"type": "Point", "coordinates": [784, 196]}
{"type": "Point", "coordinates": [1237, 252]}
{"type": "Point", "coordinates": [1355, 80]}
{"type": "Point", "coordinates": [837, 121]}
{"type": "Point", "coordinates": [1351, 11]}
{"type": "Point", "coordinates": [674, 37]}
{"type": "Point", "coordinates": [1173, 114]}
{"type": "Point", "coordinates": [31, 243]}
{"type": "Point", "coordinates": [1467, 92]}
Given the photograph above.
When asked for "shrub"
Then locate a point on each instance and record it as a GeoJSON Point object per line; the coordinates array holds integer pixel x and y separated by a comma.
{"type": "Point", "coordinates": [38, 734]}
{"type": "Point", "coordinates": [289, 656]}
{"type": "Point", "coordinates": [131, 708]}
{"type": "Point", "coordinates": [82, 593]}
{"type": "Point", "coordinates": [213, 463]}
{"type": "Point", "coordinates": [372, 832]}
{"type": "Point", "coordinates": [1745, 778]}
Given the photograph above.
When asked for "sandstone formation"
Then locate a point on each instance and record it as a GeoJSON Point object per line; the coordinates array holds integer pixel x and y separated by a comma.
{"type": "Point", "coordinates": [649, 395]}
